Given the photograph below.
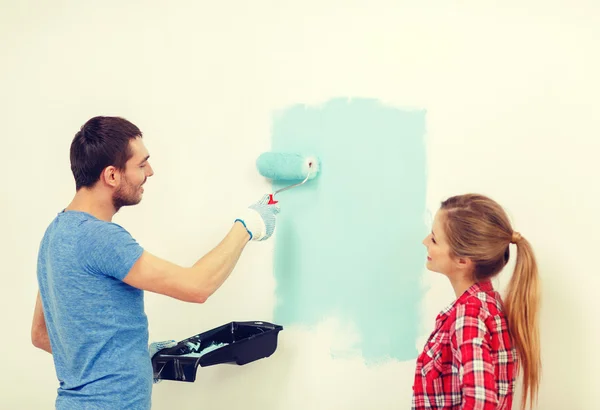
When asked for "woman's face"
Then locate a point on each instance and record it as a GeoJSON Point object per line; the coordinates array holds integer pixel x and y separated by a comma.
{"type": "Point", "coordinates": [438, 249]}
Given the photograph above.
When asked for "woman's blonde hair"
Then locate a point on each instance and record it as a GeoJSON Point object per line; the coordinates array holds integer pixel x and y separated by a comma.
{"type": "Point", "coordinates": [478, 228]}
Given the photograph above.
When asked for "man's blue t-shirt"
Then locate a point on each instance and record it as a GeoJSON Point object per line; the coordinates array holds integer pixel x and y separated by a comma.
{"type": "Point", "coordinates": [96, 322]}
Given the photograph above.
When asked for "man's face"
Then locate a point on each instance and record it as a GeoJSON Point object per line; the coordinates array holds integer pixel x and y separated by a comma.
{"type": "Point", "coordinates": [137, 170]}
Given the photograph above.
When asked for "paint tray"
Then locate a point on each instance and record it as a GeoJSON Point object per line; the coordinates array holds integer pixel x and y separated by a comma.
{"type": "Point", "coordinates": [233, 343]}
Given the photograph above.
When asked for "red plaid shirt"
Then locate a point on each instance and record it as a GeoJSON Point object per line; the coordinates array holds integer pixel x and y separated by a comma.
{"type": "Point", "coordinates": [468, 363]}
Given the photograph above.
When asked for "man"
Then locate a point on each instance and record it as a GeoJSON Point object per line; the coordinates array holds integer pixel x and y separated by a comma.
{"type": "Point", "coordinates": [91, 273]}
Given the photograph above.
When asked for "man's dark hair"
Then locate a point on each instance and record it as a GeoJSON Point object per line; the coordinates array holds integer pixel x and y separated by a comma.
{"type": "Point", "coordinates": [101, 142]}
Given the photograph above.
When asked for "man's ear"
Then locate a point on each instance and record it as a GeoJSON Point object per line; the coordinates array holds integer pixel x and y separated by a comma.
{"type": "Point", "coordinates": [111, 176]}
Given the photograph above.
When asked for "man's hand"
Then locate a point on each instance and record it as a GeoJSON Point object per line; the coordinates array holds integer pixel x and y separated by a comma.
{"type": "Point", "coordinates": [259, 219]}
{"type": "Point", "coordinates": [39, 332]}
{"type": "Point", "coordinates": [156, 346]}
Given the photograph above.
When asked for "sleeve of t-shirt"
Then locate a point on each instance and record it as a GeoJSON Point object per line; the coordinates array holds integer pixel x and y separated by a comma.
{"type": "Point", "coordinates": [110, 250]}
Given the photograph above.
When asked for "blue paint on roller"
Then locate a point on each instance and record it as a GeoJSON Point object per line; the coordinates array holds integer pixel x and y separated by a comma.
{"type": "Point", "coordinates": [348, 244]}
{"type": "Point", "coordinates": [283, 166]}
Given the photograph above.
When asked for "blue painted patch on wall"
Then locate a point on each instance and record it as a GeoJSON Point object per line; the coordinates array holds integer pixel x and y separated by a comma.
{"type": "Point", "coordinates": [348, 243]}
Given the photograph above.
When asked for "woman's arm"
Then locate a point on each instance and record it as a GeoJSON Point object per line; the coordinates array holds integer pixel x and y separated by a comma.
{"type": "Point", "coordinates": [476, 373]}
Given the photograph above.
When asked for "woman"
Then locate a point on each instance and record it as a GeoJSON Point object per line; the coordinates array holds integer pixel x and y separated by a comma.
{"type": "Point", "coordinates": [479, 344]}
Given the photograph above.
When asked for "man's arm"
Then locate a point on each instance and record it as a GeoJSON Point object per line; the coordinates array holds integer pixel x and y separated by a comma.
{"type": "Point", "coordinates": [193, 284]}
{"type": "Point", "coordinates": [39, 332]}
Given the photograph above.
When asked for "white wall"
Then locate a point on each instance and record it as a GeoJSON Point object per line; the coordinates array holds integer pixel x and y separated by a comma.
{"type": "Point", "coordinates": [511, 95]}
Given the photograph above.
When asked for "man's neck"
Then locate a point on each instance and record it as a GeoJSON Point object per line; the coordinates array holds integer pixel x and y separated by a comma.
{"type": "Point", "coordinates": [86, 200]}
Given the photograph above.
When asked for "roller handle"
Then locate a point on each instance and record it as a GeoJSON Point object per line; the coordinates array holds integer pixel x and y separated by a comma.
{"type": "Point", "coordinates": [272, 200]}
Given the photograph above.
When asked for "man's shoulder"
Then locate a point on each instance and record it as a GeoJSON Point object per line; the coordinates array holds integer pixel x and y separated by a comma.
{"type": "Point", "coordinates": [83, 232]}
{"type": "Point", "coordinates": [104, 234]}
{"type": "Point", "coordinates": [87, 222]}
{"type": "Point", "coordinates": [97, 225]}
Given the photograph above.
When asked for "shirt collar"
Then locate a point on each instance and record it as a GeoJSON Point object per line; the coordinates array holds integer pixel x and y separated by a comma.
{"type": "Point", "coordinates": [472, 290]}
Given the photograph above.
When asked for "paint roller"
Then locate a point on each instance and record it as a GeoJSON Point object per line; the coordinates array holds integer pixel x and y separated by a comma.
{"type": "Point", "coordinates": [284, 166]}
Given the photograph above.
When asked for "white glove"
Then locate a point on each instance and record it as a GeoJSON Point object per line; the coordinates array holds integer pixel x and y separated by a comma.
{"type": "Point", "coordinates": [260, 218]}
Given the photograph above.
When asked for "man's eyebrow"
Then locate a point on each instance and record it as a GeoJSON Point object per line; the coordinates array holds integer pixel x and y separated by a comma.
{"type": "Point", "coordinates": [432, 233]}
{"type": "Point", "coordinates": [145, 159]}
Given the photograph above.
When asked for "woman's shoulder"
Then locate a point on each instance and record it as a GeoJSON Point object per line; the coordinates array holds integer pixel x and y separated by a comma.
{"type": "Point", "coordinates": [484, 304]}
{"type": "Point", "coordinates": [480, 306]}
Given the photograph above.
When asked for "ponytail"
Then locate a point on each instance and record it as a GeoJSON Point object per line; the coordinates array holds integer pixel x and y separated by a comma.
{"type": "Point", "coordinates": [522, 305]}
